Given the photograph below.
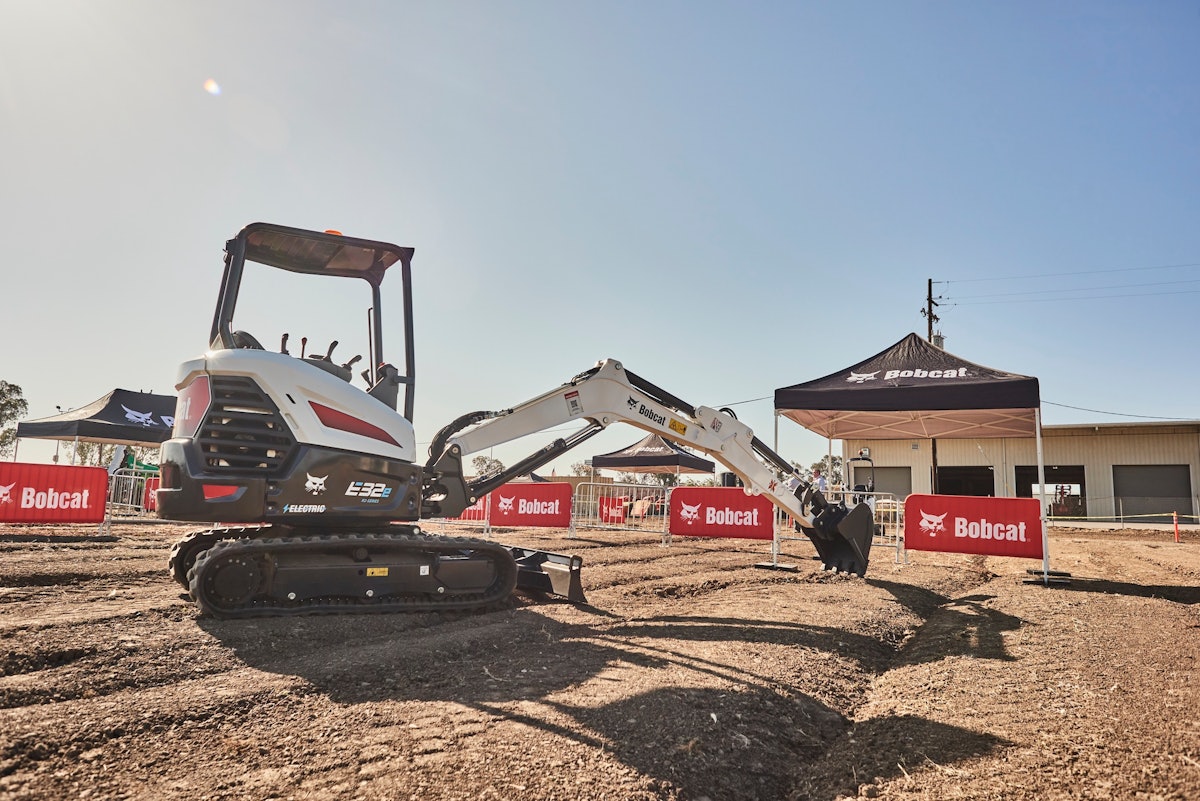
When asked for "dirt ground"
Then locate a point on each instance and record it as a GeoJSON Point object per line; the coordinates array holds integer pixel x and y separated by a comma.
{"type": "Point", "coordinates": [690, 675]}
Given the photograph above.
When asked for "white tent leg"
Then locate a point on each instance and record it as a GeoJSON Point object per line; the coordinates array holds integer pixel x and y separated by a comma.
{"type": "Point", "coordinates": [1037, 427]}
{"type": "Point", "coordinates": [1048, 576]}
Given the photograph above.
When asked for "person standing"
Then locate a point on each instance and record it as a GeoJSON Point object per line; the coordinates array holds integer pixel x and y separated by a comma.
{"type": "Point", "coordinates": [818, 480]}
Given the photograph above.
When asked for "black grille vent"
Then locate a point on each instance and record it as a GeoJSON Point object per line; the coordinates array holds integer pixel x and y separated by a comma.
{"type": "Point", "coordinates": [243, 429]}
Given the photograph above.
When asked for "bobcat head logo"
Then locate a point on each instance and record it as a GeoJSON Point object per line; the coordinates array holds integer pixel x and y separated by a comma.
{"type": "Point", "coordinates": [139, 418]}
{"type": "Point", "coordinates": [932, 524]}
{"type": "Point", "coordinates": [6, 493]}
{"type": "Point", "coordinates": [689, 514]}
{"type": "Point", "coordinates": [631, 403]}
{"type": "Point", "coordinates": [506, 504]}
{"type": "Point", "coordinates": [858, 378]}
{"type": "Point", "coordinates": [314, 485]}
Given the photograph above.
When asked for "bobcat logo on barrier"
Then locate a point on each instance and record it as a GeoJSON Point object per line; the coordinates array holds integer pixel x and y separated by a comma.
{"type": "Point", "coordinates": [6, 493]}
{"type": "Point", "coordinates": [506, 504]}
{"type": "Point", "coordinates": [932, 524]}
{"type": "Point", "coordinates": [314, 485]}
{"type": "Point", "coordinates": [139, 418]}
{"type": "Point", "coordinates": [689, 514]}
{"type": "Point", "coordinates": [858, 378]}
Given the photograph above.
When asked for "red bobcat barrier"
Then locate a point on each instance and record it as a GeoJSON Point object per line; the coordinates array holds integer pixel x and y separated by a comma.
{"type": "Point", "coordinates": [611, 510]}
{"type": "Point", "coordinates": [478, 511]}
{"type": "Point", "coordinates": [150, 500]}
{"type": "Point", "coordinates": [40, 493]}
{"type": "Point", "coordinates": [966, 524]}
{"type": "Point", "coordinates": [721, 512]}
{"type": "Point", "coordinates": [546, 505]}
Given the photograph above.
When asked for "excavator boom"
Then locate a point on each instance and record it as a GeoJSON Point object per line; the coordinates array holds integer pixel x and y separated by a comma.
{"type": "Point", "coordinates": [607, 394]}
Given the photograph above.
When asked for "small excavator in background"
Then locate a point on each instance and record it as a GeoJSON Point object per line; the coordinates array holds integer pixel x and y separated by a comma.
{"type": "Point", "coordinates": [317, 489]}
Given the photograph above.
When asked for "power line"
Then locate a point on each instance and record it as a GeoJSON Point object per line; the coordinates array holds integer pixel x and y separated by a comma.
{"type": "Point", "coordinates": [1079, 272]}
{"type": "Point", "coordinates": [1092, 297]}
{"type": "Point", "coordinates": [752, 400]}
{"type": "Point", "coordinates": [1114, 414]}
{"type": "Point", "coordinates": [1083, 289]}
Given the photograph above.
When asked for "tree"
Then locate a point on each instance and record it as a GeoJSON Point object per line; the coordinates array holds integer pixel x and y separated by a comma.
{"type": "Point", "coordinates": [581, 469]}
{"type": "Point", "coordinates": [707, 481]}
{"type": "Point", "coordinates": [668, 479]}
{"type": "Point", "coordinates": [486, 465]}
{"type": "Point", "coordinates": [641, 478]}
{"type": "Point", "coordinates": [13, 407]}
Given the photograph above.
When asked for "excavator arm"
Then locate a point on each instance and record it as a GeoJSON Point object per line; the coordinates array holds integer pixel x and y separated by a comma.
{"type": "Point", "coordinates": [608, 393]}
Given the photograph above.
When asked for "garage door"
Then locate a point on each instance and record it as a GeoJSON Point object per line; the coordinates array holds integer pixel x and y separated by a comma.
{"type": "Point", "coordinates": [1152, 491]}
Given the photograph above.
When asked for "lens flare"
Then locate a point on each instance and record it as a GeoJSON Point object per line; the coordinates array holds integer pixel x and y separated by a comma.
{"type": "Point", "coordinates": [212, 87]}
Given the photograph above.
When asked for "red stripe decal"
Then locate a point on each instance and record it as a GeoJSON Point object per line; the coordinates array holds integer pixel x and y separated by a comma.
{"type": "Point", "coordinates": [213, 491]}
{"type": "Point", "coordinates": [344, 422]}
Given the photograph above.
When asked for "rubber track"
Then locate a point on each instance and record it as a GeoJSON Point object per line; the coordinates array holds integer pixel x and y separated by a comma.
{"type": "Point", "coordinates": [184, 552]}
{"type": "Point", "coordinates": [501, 587]}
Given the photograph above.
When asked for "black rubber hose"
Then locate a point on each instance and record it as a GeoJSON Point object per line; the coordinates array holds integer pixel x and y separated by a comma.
{"type": "Point", "coordinates": [449, 430]}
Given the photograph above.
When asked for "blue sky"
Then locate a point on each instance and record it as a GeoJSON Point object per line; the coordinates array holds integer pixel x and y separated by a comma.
{"type": "Point", "coordinates": [728, 197]}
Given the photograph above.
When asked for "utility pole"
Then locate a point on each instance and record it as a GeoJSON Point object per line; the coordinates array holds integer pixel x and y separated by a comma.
{"type": "Point", "coordinates": [931, 318]}
{"type": "Point", "coordinates": [930, 303]}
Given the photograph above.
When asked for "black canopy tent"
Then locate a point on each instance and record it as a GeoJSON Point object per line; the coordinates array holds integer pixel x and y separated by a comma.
{"type": "Point", "coordinates": [915, 390]}
{"type": "Point", "coordinates": [122, 417]}
{"type": "Point", "coordinates": [653, 455]}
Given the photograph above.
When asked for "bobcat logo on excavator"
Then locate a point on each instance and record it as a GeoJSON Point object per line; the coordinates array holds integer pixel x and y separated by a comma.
{"type": "Point", "coordinates": [632, 403]}
{"type": "Point", "coordinates": [506, 504]}
{"type": "Point", "coordinates": [314, 485]}
{"type": "Point", "coordinates": [689, 514]}
{"type": "Point", "coordinates": [6, 493]}
{"type": "Point", "coordinates": [932, 524]}
{"type": "Point", "coordinates": [858, 378]}
{"type": "Point", "coordinates": [139, 418]}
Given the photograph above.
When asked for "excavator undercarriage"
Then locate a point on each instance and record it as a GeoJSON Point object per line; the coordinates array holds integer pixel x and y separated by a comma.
{"type": "Point", "coordinates": [243, 572]}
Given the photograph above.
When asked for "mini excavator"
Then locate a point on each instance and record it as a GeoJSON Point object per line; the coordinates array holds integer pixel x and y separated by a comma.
{"type": "Point", "coordinates": [313, 489]}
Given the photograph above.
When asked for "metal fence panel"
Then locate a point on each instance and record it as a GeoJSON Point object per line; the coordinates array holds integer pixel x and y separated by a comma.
{"type": "Point", "coordinates": [624, 507]}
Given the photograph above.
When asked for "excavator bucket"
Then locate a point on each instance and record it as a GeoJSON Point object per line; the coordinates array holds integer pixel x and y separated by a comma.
{"type": "Point", "coordinates": [843, 538]}
{"type": "Point", "coordinates": [550, 573]}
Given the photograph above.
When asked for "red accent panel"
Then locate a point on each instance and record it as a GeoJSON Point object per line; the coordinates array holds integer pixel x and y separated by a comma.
{"type": "Point", "coordinates": [191, 405]}
{"type": "Point", "coordinates": [542, 505]}
{"type": "Point", "coordinates": [721, 512]}
{"type": "Point", "coordinates": [966, 524]}
{"type": "Point", "coordinates": [39, 493]}
{"type": "Point", "coordinates": [214, 491]}
{"type": "Point", "coordinates": [345, 422]}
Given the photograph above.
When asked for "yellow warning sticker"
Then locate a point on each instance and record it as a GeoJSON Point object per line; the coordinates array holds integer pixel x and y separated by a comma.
{"type": "Point", "coordinates": [377, 571]}
{"type": "Point", "coordinates": [677, 427]}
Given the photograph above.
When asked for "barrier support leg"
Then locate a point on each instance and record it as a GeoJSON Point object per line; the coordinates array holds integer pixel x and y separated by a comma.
{"type": "Point", "coordinates": [775, 564]}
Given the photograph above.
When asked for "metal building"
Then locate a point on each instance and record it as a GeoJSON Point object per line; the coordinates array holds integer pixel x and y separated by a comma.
{"type": "Point", "coordinates": [1145, 472]}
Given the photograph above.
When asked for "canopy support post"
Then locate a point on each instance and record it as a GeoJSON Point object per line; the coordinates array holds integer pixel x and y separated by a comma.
{"type": "Point", "coordinates": [1048, 576]}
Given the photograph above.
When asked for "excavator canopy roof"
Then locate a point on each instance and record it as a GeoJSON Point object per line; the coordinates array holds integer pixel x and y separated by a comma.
{"type": "Point", "coordinates": [302, 251]}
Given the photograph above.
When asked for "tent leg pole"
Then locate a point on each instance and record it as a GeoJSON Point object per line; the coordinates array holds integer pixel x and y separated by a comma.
{"type": "Point", "coordinates": [1037, 426]}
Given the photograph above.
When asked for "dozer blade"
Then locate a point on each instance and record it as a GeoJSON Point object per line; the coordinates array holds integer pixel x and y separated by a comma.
{"type": "Point", "coordinates": [547, 572]}
{"type": "Point", "coordinates": [843, 539]}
